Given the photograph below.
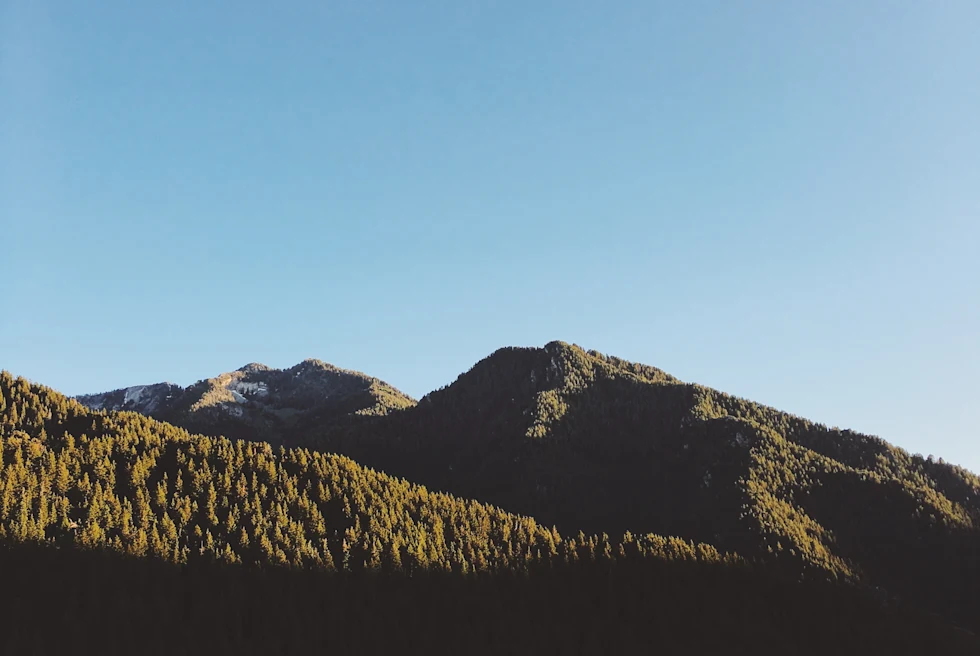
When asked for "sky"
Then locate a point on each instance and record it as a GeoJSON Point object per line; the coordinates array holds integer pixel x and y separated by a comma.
{"type": "Point", "coordinates": [777, 199]}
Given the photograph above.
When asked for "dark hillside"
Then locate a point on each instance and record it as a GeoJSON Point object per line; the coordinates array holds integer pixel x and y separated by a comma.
{"type": "Point", "coordinates": [119, 533]}
{"type": "Point", "coordinates": [582, 440]}
{"type": "Point", "coordinates": [77, 601]}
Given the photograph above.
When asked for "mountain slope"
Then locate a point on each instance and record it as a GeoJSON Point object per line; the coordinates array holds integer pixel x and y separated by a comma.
{"type": "Point", "coordinates": [186, 543]}
{"type": "Point", "coordinates": [257, 402]}
{"type": "Point", "coordinates": [583, 440]}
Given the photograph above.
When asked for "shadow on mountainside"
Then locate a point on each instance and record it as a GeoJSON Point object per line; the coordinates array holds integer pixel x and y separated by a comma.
{"type": "Point", "coordinates": [58, 600]}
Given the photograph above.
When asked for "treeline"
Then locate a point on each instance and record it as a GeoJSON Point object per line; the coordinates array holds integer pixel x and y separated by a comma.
{"type": "Point", "coordinates": [137, 486]}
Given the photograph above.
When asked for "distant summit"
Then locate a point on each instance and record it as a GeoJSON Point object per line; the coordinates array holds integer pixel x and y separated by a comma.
{"type": "Point", "coordinates": [145, 399]}
{"type": "Point", "coordinates": [253, 367]}
{"type": "Point", "coordinates": [259, 402]}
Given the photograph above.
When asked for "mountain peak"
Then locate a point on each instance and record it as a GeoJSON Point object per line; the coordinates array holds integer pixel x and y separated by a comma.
{"type": "Point", "coordinates": [557, 346]}
{"type": "Point", "coordinates": [314, 363]}
{"type": "Point", "coordinates": [253, 367]}
{"type": "Point", "coordinates": [260, 401]}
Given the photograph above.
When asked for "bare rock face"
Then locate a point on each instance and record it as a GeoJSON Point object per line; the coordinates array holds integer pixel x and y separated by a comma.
{"type": "Point", "coordinates": [145, 399]}
{"type": "Point", "coordinates": [259, 402]}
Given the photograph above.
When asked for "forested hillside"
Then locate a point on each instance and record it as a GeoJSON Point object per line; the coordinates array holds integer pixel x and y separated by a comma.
{"type": "Point", "coordinates": [121, 533]}
{"type": "Point", "coordinates": [582, 440]}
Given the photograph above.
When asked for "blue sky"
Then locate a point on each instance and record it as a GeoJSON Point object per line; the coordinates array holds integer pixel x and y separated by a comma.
{"type": "Point", "coordinates": [777, 199]}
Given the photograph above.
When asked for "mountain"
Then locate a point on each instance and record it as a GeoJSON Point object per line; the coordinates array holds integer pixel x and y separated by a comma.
{"type": "Point", "coordinates": [587, 441]}
{"type": "Point", "coordinates": [120, 533]}
{"type": "Point", "coordinates": [257, 402]}
{"type": "Point", "coordinates": [584, 441]}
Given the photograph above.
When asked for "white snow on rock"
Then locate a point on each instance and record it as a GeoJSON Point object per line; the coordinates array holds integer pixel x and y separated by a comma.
{"type": "Point", "coordinates": [242, 387]}
{"type": "Point", "coordinates": [134, 394]}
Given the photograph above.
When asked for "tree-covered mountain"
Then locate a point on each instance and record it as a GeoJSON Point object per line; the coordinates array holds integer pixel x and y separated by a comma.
{"type": "Point", "coordinates": [120, 533]}
{"type": "Point", "coordinates": [257, 402]}
{"type": "Point", "coordinates": [587, 441]}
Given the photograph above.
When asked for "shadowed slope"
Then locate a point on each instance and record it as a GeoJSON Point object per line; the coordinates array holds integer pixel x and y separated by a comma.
{"type": "Point", "coordinates": [579, 439]}
{"type": "Point", "coordinates": [119, 533]}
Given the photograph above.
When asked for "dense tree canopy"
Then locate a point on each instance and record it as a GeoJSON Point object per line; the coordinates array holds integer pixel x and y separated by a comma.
{"type": "Point", "coordinates": [139, 486]}
{"type": "Point", "coordinates": [586, 441]}
{"type": "Point", "coordinates": [115, 512]}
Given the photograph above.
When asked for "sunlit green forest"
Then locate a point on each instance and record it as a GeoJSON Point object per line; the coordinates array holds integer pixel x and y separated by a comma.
{"type": "Point", "coordinates": [549, 500]}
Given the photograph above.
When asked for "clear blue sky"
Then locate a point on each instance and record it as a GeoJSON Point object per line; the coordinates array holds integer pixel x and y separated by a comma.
{"type": "Point", "coordinates": [777, 199]}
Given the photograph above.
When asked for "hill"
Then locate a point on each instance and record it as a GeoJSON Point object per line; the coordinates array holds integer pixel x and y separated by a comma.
{"type": "Point", "coordinates": [587, 441]}
{"type": "Point", "coordinates": [122, 533]}
{"type": "Point", "coordinates": [257, 402]}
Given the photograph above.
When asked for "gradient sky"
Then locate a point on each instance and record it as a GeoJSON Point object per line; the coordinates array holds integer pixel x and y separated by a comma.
{"type": "Point", "coordinates": [778, 199]}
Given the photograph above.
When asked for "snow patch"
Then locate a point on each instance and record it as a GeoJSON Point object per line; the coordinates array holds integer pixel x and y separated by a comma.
{"type": "Point", "coordinates": [258, 389]}
{"type": "Point", "coordinates": [134, 394]}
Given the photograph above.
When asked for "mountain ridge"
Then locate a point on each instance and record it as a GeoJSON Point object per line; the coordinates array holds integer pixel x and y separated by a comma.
{"type": "Point", "coordinates": [586, 441]}
{"type": "Point", "coordinates": [621, 449]}
{"type": "Point", "coordinates": [256, 401]}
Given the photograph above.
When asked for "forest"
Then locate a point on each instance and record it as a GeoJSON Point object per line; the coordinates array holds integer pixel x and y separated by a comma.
{"type": "Point", "coordinates": [549, 500]}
